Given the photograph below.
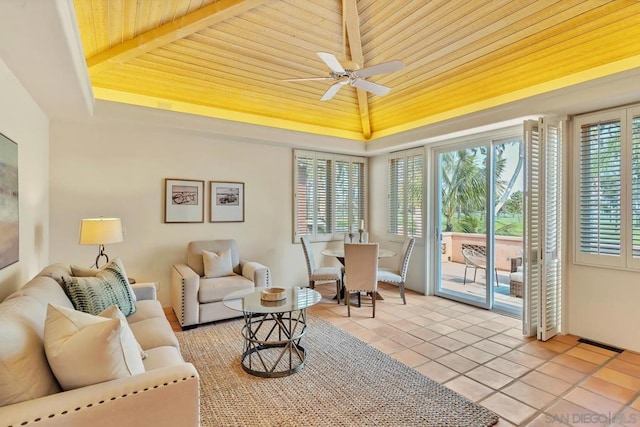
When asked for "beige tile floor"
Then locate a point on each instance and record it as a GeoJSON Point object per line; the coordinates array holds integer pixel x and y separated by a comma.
{"type": "Point", "coordinates": [483, 356]}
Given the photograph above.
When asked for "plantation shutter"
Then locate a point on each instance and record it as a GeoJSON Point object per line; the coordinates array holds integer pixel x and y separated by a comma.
{"type": "Point", "coordinates": [600, 188]}
{"type": "Point", "coordinates": [550, 295]}
{"type": "Point", "coordinates": [323, 205]}
{"type": "Point", "coordinates": [330, 195]}
{"type": "Point", "coordinates": [304, 198]}
{"type": "Point", "coordinates": [358, 195]}
{"type": "Point", "coordinates": [397, 175]}
{"type": "Point", "coordinates": [414, 192]}
{"type": "Point", "coordinates": [532, 208]}
{"type": "Point", "coordinates": [635, 188]}
{"type": "Point", "coordinates": [342, 197]}
{"type": "Point", "coordinates": [543, 229]}
{"type": "Point", "coordinates": [600, 192]}
{"type": "Point", "coordinates": [405, 204]}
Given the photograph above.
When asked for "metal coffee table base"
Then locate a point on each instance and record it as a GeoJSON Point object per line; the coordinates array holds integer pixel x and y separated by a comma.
{"type": "Point", "coordinates": [272, 343]}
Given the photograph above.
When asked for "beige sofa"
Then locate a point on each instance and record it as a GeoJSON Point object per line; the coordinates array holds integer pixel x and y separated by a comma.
{"type": "Point", "coordinates": [197, 299]}
{"type": "Point", "coordinates": [165, 394]}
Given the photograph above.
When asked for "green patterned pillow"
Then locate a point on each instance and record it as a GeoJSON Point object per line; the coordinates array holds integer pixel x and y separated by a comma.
{"type": "Point", "coordinates": [94, 294]}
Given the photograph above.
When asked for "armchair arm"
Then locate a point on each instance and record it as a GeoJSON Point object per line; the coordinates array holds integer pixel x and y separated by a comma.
{"type": "Point", "coordinates": [256, 272]}
{"type": "Point", "coordinates": [162, 397]}
{"type": "Point", "coordinates": [145, 291]}
{"type": "Point", "coordinates": [185, 284]}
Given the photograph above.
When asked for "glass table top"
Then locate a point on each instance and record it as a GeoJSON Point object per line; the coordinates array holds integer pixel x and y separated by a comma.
{"type": "Point", "coordinates": [250, 301]}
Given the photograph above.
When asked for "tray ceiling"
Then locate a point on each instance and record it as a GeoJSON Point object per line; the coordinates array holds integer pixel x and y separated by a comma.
{"type": "Point", "coordinates": [227, 58]}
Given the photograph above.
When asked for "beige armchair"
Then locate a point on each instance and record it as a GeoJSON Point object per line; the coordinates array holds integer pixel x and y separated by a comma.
{"type": "Point", "coordinates": [197, 299]}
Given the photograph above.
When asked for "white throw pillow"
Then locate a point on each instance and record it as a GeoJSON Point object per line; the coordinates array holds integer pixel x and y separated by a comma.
{"type": "Point", "coordinates": [83, 349]}
{"type": "Point", "coordinates": [217, 264]}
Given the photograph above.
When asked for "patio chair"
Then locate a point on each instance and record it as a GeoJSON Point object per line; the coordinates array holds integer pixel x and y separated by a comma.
{"type": "Point", "coordinates": [361, 266]}
{"type": "Point", "coordinates": [399, 276]}
{"type": "Point", "coordinates": [476, 260]}
{"type": "Point", "coordinates": [329, 274]}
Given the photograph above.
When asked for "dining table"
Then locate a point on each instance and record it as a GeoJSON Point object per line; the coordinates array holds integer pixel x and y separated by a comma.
{"type": "Point", "coordinates": [338, 253]}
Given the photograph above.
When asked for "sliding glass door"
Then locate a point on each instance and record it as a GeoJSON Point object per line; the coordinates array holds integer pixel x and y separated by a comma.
{"type": "Point", "coordinates": [479, 223]}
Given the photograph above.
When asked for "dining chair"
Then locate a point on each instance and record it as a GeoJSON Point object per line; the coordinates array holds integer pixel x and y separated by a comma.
{"type": "Point", "coordinates": [361, 266]}
{"type": "Point", "coordinates": [316, 274]}
{"type": "Point", "coordinates": [398, 276]}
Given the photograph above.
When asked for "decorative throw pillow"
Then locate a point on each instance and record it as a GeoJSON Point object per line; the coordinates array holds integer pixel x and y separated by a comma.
{"type": "Point", "coordinates": [93, 294]}
{"type": "Point", "coordinates": [113, 312]}
{"type": "Point", "coordinates": [217, 264]}
{"type": "Point", "coordinates": [83, 349]}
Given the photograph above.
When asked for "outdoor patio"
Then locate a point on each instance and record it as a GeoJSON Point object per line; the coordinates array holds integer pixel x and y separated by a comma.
{"type": "Point", "coordinates": [453, 279]}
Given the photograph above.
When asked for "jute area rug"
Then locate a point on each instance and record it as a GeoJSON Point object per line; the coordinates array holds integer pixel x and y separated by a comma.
{"type": "Point", "coordinates": [345, 382]}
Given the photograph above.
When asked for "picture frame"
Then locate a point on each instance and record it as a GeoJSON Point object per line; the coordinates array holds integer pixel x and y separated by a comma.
{"type": "Point", "coordinates": [226, 201]}
{"type": "Point", "coordinates": [9, 203]}
{"type": "Point", "coordinates": [183, 200]}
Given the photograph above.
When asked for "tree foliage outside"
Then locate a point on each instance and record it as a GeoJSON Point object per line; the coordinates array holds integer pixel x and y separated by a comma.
{"type": "Point", "coordinates": [464, 187]}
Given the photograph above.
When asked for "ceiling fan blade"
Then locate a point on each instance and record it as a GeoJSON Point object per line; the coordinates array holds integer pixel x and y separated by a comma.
{"type": "Point", "coordinates": [307, 79]}
{"type": "Point", "coordinates": [331, 61]}
{"type": "Point", "coordinates": [370, 87]}
{"type": "Point", "coordinates": [333, 89]}
{"type": "Point", "coordinates": [385, 67]}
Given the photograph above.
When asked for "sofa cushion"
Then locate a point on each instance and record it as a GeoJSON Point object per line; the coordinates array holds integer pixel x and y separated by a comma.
{"type": "Point", "coordinates": [83, 349]}
{"type": "Point", "coordinates": [45, 290]}
{"type": "Point", "coordinates": [161, 357]}
{"type": "Point", "coordinates": [93, 294]}
{"type": "Point", "coordinates": [146, 309]}
{"type": "Point", "coordinates": [212, 290]}
{"type": "Point", "coordinates": [152, 333]}
{"type": "Point", "coordinates": [113, 312]}
{"type": "Point", "coordinates": [217, 264]}
{"type": "Point", "coordinates": [24, 370]}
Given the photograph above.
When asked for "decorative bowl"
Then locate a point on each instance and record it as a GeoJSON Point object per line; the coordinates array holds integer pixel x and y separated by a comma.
{"type": "Point", "coordinates": [273, 294]}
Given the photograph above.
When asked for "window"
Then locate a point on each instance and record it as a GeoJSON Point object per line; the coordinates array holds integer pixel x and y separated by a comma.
{"type": "Point", "coordinates": [330, 195]}
{"type": "Point", "coordinates": [406, 178]}
{"type": "Point", "coordinates": [608, 188]}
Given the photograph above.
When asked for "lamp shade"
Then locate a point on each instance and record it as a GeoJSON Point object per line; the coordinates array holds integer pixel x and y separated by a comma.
{"type": "Point", "coordinates": [100, 231]}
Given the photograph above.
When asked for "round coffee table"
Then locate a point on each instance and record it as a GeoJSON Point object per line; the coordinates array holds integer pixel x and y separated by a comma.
{"type": "Point", "coordinates": [273, 330]}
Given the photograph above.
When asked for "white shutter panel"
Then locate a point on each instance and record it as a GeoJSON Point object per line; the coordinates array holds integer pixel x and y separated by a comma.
{"type": "Point", "coordinates": [414, 195]}
{"type": "Point", "coordinates": [600, 193]}
{"type": "Point", "coordinates": [532, 218]}
{"type": "Point", "coordinates": [341, 198]}
{"type": "Point", "coordinates": [396, 195]}
{"type": "Point", "coordinates": [634, 260]}
{"type": "Point", "coordinates": [550, 296]}
{"type": "Point", "coordinates": [543, 229]}
{"type": "Point", "coordinates": [303, 193]}
{"type": "Point", "coordinates": [323, 199]}
{"type": "Point", "coordinates": [358, 196]}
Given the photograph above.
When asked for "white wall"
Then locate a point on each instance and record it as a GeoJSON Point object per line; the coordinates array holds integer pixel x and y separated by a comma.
{"type": "Point", "coordinates": [22, 121]}
{"type": "Point", "coordinates": [603, 305]}
{"type": "Point", "coordinates": [116, 167]}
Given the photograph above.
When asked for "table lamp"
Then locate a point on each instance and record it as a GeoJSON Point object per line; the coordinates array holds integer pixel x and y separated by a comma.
{"type": "Point", "coordinates": [100, 231]}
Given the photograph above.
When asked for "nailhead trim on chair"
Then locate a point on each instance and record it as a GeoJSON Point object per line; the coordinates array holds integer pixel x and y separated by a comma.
{"type": "Point", "coordinates": [90, 405]}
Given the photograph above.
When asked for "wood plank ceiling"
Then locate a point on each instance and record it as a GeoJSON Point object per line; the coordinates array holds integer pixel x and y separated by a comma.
{"type": "Point", "coordinates": [227, 58]}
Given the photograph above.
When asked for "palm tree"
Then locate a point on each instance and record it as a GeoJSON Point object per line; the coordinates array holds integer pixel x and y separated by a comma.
{"type": "Point", "coordinates": [463, 183]}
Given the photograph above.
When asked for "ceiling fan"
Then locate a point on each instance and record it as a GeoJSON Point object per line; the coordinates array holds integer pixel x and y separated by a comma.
{"type": "Point", "coordinates": [354, 78]}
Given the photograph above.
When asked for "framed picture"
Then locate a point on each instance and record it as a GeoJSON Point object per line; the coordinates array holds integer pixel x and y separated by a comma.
{"type": "Point", "coordinates": [227, 201]}
{"type": "Point", "coordinates": [9, 202]}
{"type": "Point", "coordinates": [183, 200]}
